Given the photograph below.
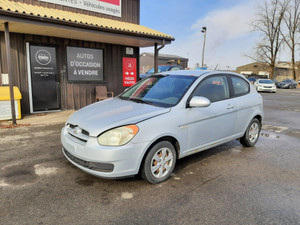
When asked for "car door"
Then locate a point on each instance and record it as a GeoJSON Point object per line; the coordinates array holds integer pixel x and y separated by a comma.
{"type": "Point", "coordinates": [215, 123]}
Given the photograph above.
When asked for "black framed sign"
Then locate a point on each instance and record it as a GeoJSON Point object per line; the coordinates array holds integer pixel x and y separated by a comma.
{"type": "Point", "coordinates": [44, 78]}
{"type": "Point", "coordinates": [84, 64]}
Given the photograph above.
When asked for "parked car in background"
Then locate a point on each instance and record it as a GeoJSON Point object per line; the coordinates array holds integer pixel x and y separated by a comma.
{"type": "Point", "coordinates": [265, 85]}
{"type": "Point", "coordinates": [287, 83]}
{"type": "Point", "coordinates": [251, 79]}
{"type": "Point", "coordinates": [161, 119]}
{"type": "Point", "coordinates": [275, 82]}
{"type": "Point", "coordinates": [161, 69]}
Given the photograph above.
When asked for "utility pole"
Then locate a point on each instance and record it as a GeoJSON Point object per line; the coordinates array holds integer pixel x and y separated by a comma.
{"type": "Point", "coordinates": [9, 69]}
{"type": "Point", "coordinates": [204, 29]}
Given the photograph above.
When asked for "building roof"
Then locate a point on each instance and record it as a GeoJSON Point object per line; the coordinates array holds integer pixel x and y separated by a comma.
{"type": "Point", "coordinates": [28, 16]}
{"type": "Point", "coordinates": [164, 56]}
{"type": "Point", "coordinates": [281, 65]}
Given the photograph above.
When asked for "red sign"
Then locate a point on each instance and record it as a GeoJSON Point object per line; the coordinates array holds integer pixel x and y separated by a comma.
{"type": "Point", "coordinates": [129, 71]}
{"type": "Point", "coordinates": [114, 2]}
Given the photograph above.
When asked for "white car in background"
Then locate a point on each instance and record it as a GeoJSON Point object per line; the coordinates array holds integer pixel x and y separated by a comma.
{"type": "Point", "coordinates": [265, 85]}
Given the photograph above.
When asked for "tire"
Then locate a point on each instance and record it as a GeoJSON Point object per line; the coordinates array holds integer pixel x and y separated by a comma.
{"type": "Point", "coordinates": [159, 162]}
{"type": "Point", "coordinates": [290, 87]}
{"type": "Point", "coordinates": [252, 133]}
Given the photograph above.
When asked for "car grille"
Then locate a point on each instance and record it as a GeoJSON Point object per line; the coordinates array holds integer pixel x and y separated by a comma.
{"type": "Point", "coordinates": [101, 167]}
{"type": "Point", "coordinates": [267, 86]}
{"type": "Point", "coordinates": [78, 133]}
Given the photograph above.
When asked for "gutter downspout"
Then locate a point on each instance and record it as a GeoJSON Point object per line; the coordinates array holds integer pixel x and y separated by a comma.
{"type": "Point", "coordinates": [156, 50]}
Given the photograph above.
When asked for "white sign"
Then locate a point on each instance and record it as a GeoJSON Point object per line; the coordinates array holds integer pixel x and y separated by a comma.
{"type": "Point", "coordinates": [5, 110]}
{"type": "Point", "coordinates": [109, 7]}
{"type": "Point", "coordinates": [129, 51]}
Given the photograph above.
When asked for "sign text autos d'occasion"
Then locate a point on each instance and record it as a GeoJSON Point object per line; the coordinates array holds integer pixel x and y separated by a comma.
{"type": "Point", "coordinates": [85, 64]}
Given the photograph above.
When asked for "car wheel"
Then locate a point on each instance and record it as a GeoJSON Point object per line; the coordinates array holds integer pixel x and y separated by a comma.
{"type": "Point", "coordinates": [290, 87]}
{"type": "Point", "coordinates": [252, 133]}
{"type": "Point", "coordinates": [159, 163]}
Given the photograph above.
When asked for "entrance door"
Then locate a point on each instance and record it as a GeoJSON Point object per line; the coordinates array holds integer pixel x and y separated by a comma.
{"type": "Point", "coordinates": [44, 78]}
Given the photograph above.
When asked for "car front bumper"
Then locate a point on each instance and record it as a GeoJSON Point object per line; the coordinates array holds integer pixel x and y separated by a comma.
{"type": "Point", "coordinates": [103, 161]}
{"type": "Point", "coordinates": [269, 89]}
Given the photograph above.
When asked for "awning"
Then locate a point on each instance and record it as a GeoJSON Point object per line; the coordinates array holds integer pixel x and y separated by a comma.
{"type": "Point", "coordinates": [32, 19]}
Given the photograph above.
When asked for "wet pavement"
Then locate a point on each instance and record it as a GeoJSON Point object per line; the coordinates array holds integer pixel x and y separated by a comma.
{"type": "Point", "coordinates": [229, 184]}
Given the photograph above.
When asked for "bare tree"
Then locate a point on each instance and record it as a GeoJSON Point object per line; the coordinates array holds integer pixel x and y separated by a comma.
{"type": "Point", "coordinates": [290, 31]}
{"type": "Point", "coordinates": [269, 20]}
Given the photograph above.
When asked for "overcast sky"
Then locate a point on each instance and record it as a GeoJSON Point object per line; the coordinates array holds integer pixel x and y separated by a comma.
{"type": "Point", "coordinates": [229, 35]}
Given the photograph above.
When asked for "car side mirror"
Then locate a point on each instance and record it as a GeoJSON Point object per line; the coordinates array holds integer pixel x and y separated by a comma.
{"type": "Point", "coordinates": [198, 102]}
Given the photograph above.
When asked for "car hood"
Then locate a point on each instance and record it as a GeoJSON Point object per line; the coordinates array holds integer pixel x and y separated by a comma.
{"type": "Point", "coordinates": [101, 116]}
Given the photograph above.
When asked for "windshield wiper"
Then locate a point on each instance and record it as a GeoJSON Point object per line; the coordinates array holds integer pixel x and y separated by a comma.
{"type": "Point", "coordinates": [123, 98]}
{"type": "Point", "coordinates": [138, 100]}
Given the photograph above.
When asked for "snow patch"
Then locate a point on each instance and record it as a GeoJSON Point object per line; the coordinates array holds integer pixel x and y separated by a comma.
{"type": "Point", "coordinates": [127, 195]}
{"type": "Point", "coordinates": [40, 170]}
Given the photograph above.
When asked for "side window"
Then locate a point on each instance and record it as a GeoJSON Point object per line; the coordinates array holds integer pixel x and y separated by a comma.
{"type": "Point", "coordinates": [240, 86]}
{"type": "Point", "coordinates": [214, 88]}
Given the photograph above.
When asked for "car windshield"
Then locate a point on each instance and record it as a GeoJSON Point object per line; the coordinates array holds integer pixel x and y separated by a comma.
{"type": "Point", "coordinates": [160, 69]}
{"type": "Point", "coordinates": [265, 82]}
{"type": "Point", "coordinates": [287, 81]}
{"type": "Point", "coordinates": [163, 91]}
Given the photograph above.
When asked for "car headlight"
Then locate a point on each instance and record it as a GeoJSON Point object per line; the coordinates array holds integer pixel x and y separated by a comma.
{"type": "Point", "coordinates": [118, 136]}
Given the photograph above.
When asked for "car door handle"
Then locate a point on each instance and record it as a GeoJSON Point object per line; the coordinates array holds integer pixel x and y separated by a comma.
{"type": "Point", "coordinates": [230, 107]}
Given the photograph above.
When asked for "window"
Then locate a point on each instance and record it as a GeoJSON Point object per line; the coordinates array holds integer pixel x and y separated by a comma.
{"type": "Point", "coordinates": [240, 86]}
{"type": "Point", "coordinates": [214, 88]}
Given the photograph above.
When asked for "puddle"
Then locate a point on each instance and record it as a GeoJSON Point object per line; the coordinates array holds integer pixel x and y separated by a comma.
{"type": "Point", "coordinates": [86, 182]}
{"type": "Point", "coordinates": [18, 175]}
{"type": "Point", "coordinates": [276, 129]}
{"type": "Point", "coordinates": [268, 135]}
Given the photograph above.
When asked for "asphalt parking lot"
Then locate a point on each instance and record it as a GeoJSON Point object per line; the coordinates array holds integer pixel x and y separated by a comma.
{"type": "Point", "coordinates": [229, 184]}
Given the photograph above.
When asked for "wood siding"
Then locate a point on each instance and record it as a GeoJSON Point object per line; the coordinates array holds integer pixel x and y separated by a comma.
{"type": "Point", "coordinates": [130, 10]}
{"type": "Point", "coordinates": [73, 95]}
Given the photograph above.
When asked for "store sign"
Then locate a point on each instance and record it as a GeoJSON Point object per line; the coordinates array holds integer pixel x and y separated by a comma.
{"type": "Point", "coordinates": [85, 64]}
{"type": "Point", "coordinates": [129, 71]}
{"type": "Point", "coordinates": [109, 7]}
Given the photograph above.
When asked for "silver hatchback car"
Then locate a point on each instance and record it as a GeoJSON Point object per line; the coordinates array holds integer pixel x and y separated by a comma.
{"type": "Point", "coordinates": [160, 119]}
